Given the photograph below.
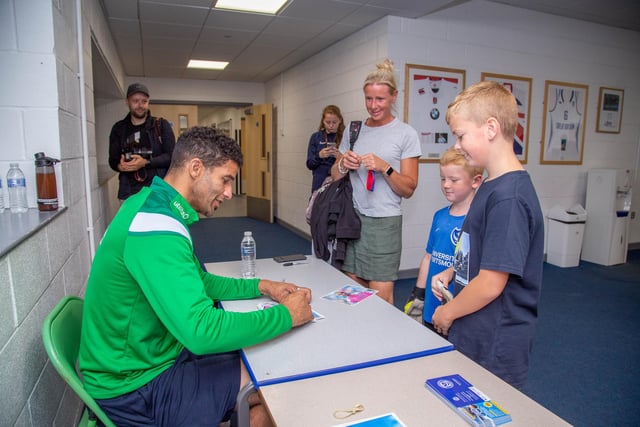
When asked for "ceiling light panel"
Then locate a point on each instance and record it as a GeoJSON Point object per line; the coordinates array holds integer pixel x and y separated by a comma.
{"type": "Point", "coordinates": [258, 6]}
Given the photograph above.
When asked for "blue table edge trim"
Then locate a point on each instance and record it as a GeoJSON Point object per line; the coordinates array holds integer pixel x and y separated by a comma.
{"type": "Point", "coordinates": [345, 368]}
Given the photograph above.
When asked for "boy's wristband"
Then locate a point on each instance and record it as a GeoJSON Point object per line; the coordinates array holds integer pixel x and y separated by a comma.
{"type": "Point", "coordinates": [418, 293]}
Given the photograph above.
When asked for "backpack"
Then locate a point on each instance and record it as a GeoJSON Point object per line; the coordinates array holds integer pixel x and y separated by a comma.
{"type": "Point", "coordinates": [333, 218]}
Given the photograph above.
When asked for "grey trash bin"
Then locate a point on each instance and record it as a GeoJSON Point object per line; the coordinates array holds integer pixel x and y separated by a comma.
{"type": "Point", "coordinates": [564, 235]}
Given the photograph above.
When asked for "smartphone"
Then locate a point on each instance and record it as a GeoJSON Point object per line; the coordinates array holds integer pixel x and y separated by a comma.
{"type": "Point", "coordinates": [289, 258]}
{"type": "Point", "coordinates": [331, 145]}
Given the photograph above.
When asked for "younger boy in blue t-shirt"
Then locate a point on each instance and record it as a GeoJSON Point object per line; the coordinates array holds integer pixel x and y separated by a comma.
{"type": "Point", "coordinates": [498, 259]}
{"type": "Point", "coordinates": [458, 182]}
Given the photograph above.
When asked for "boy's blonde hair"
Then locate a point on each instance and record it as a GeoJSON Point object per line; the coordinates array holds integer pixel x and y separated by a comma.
{"type": "Point", "coordinates": [453, 157]}
{"type": "Point", "coordinates": [384, 75]}
{"type": "Point", "coordinates": [484, 100]}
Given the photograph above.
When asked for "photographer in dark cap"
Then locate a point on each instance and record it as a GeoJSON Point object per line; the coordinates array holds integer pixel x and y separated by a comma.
{"type": "Point", "coordinates": [140, 145]}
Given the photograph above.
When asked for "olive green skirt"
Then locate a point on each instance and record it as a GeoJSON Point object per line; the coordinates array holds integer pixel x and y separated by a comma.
{"type": "Point", "coordinates": [376, 255]}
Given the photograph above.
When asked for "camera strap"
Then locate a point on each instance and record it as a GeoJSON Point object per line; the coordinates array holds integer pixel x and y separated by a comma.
{"type": "Point", "coordinates": [157, 125]}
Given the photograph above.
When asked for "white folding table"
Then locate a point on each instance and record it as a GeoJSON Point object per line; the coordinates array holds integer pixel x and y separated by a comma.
{"type": "Point", "coordinates": [398, 388]}
{"type": "Point", "coordinates": [372, 332]}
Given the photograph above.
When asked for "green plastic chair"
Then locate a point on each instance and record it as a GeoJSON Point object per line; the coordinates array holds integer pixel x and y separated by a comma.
{"type": "Point", "coordinates": [61, 337]}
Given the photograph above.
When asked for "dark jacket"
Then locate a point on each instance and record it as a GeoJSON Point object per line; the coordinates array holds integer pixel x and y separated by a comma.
{"type": "Point", "coordinates": [334, 219]}
{"type": "Point", "coordinates": [162, 142]}
{"type": "Point", "coordinates": [320, 168]}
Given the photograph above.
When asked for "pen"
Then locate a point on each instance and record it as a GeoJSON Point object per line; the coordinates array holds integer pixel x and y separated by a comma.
{"type": "Point", "coordinates": [288, 264]}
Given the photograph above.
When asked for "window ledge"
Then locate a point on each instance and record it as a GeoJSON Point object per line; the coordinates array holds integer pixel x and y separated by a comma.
{"type": "Point", "coordinates": [16, 228]}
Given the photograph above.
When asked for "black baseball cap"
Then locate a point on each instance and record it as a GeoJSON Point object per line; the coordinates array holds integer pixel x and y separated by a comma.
{"type": "Point", "coordinates": [137, 88]}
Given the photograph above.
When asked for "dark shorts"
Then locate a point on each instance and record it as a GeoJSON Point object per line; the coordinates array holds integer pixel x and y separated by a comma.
{"type": "Point", "coordinates": [195, 391]}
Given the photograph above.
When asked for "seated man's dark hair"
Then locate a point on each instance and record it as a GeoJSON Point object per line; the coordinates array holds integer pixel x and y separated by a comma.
{"type": "Point", "coordinates": [209, 145]}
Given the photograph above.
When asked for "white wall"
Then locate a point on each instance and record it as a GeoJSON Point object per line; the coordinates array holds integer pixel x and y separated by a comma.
{"type": "Point", "coordinates": [40, 111]}
{"type": "Point", "coordinates": [334, 76]}
{"type": "Point", "coordinates": [210, 114]}
{"type": "Point", "coordinates": [107, 111]}
{"type": "Point", "coordinates": [476, 36]}
{"type": "Point", "coordinates": [196, 91]}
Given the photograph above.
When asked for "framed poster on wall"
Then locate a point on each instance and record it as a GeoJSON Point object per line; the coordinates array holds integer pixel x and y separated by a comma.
{"type": "Point", "coordinates": [609, 110]}
{"type": "Point", "coordinates": [565, 115]}
{"type": "Point", "coordinates": [520, 87]}
{"type": "Point", "coordinates": [429, 90]}
{"type": "Point", "coordinates": [183, 120]}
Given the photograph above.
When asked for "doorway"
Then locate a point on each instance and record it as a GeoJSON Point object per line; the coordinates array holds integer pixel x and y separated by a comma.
{"type": "Point", "coordinates": [257, 172]}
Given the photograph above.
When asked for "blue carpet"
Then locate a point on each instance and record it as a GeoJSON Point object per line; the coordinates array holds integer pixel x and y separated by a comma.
{"type": "Point", "coordinates": [585, 364]}
{"type": "Point", "coordinates": [585, 361]}
{"type": "Point", "coordinates": [218, 239]}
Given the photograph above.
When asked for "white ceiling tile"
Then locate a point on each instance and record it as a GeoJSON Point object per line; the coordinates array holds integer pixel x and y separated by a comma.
{"type": "Point", "coordinates": [202, 74]}
{"type": "Point", "coordinates": [321, 10]}
{"type": "Point", "coordinates": [153, 46]}
{"type": "Point", "coordinates": [365, 16]}
{"type": "Point", "coordinates": [410, 8]}
{"type": "Point", "coordinates": [216, 51]}
{"type": "Point", "coordinates": [277, 41]}
{"type": "Point", "coordinates": [154, 30]}
{"type": "Point", "coordinates": [188, 15]}
{"type": "Point", "coordinates": [223, 35]}
{"type": "Point", "coordinates": [123, 9]}
{"type": "Point", "coordinates": [200, 3]}
{"type": "Point", "coordinates": [132, 60]}
{"type": "Point", "coordinates": [237, 20]}
{"type": "Point", "coordinates": [289, 27]}
{"type": "Point", "coordinates": [165, 72]}
{"type": "Point", "coordinates": [124, 28]}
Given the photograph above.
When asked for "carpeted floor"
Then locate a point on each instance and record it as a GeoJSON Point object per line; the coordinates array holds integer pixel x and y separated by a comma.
{"type": "Point", "coordinates": [585, 364]}
{"type": "Point", "coordinates": [218, 239]}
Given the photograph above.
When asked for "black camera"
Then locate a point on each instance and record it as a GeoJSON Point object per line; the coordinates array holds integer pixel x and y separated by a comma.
{"type": "Point", "coordinates": [134, 145]}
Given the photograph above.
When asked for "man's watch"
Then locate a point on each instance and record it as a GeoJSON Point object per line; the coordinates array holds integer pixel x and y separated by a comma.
{"type": "Point", "coordinates": [389, 171]}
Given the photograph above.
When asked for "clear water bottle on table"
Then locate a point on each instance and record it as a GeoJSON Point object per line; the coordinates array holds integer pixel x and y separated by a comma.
{"type": "Point", "coordinates": [1, 197]}
{"type": "Point", "coordinates": [248, 253]}
{"type": "Point", "coordinates": [17, 189]}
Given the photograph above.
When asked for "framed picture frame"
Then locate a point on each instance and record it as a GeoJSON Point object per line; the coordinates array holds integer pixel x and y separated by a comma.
{"type": "Point", "coordinates": [183, 121]}
{"type": "Point", "coordinates": [610, 103]}
{"type": "Point", "coordinates": [565, 115]}
{"type": "Point", "coordinates": [428, 92]}
{"type": "Point", "coordinates": [520, 87]}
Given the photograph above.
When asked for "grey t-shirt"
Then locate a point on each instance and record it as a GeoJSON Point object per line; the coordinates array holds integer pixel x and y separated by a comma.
{"type": "Point", "coordinates": [392, 142]}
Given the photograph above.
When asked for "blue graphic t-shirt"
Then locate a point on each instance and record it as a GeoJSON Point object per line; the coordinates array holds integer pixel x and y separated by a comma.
{"type": "Point", "coordinates": [504, 232]}
{"type": "Point", "coordinates": [443, 237]}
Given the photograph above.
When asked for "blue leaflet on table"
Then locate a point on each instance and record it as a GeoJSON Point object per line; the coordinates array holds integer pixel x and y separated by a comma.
{"type": "Point", "coordinates": [469, 402]}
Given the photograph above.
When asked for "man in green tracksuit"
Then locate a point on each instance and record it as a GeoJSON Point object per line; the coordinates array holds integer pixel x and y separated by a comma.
{"type": "Point", "coordinates": [154, 348]}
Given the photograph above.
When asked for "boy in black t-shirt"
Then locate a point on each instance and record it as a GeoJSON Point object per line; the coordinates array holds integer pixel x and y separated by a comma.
{"type": "Point", "coordinates": [498, 258]}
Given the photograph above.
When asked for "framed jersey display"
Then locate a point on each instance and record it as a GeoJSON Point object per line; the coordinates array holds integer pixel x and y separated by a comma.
{"type": "Point", "coordinates": [609, 110]}
{"type": "Point", "coordinates": [520, 87]}
{"type": "Point", "coordinates": [565, 115]}
{"type": "Point", "coordinates": [428, 93]}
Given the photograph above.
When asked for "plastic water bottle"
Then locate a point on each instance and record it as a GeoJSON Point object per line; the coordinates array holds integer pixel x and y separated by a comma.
{"type": "Point", "coordinates": [17, 189]}
{"type": "Point", "coordinates": [248, 252]}
{"type": "Point", "coordinates": [1, 197]}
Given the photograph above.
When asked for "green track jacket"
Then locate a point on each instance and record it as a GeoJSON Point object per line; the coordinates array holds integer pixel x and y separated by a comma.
{"type": "Point", "coordinates": [148, 298]}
